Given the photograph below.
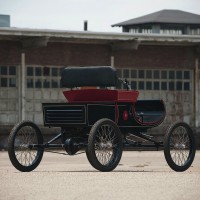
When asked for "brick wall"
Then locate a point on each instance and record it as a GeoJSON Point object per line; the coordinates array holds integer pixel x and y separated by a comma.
{"type": "Point", "coordinates": [10, 53]}
{"type": "Point", "coordinates": [157, 57]}
{"type": "Point", "coordinates": [69, 54]}
{"type": "Point", "coordinates": [93, 54]}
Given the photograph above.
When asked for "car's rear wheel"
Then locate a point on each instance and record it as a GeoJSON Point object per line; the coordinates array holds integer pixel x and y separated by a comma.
{"type": "Point", "coordinates": [21, 154]}
{"type": "Point", "coordinates": [179, 146]}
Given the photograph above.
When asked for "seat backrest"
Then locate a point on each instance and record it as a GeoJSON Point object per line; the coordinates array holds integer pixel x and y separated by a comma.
{"type": "Point", "coordinates": [104, 76]}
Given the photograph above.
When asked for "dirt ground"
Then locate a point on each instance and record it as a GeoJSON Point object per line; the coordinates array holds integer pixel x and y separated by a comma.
{"type": "Point", "coordinates": [140, 175]}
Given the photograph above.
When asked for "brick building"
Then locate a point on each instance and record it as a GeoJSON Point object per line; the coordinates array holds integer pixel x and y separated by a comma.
{"type": "Point", "coordinates": [160, 66]}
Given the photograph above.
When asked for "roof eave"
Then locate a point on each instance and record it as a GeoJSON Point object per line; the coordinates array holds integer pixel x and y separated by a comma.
{"type": "Point", "coordinates": [96, 37]}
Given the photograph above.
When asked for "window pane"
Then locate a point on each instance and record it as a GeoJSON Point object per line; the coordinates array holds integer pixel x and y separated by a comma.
{"type": "Point", "coordinates": [119, 72]}
{"type": "Point", "coordinates": [149, 74]}
{"type": "Point", "coordinates": [148, 85]}
{"type": "Point", "coordinates": [46, 71]}
{"type": "Point", "coordinates": [29, 71]}
{"type": "Point", "coordinates": [118, 86]}
{"type": "Point", "coordinates": [38, 84]}
{"type": "Point", "coordinates": [29, 83]}
{"type": "Point", "coordinates": [156, 74]}
{"type": "Point", "coordinates": [186, 74]}
{"type": "Point", "coordinates": [133, 73]}
{"type": "Point", "coordinates": [4, 82]}
{"type": "Point", "coordinates": [171, 75]}
{"type": "Point", "coordinates": [38, 71]}
{"type": "Point", "coordinates": [179, 75]}
{"type": "Point", "coordinates": [61, 69]}
{"type": "Point", "coordinates": [12, 70]}
{"type": "Point", "coordinates": [54, 84]}
{"type": "Point", "coordinates": [126, 73]}
{"type": "Point", "coordinates": [141, 73]}
{"type": "Point", "coordinates": [156, 85]}
{"type": "Point", "coordinates": [124, 86]}
{"type": "Point", "coordinates": [4, 70]}
{"type": "Point", "coordinates": [171, 86]}
{"type": "Point", "coordinates": [178, 85]}
{"type": "Point", "coordinates": [141, 85]}
{"type": "Point", "coordinates": [12, 82]}
{"type": "Point", "coordinates": [187, 86]}
{"type": "Point", "coordinates": [134, 85]}
{"type": "Point", "coordinates": [46, 84]}
{"type": "Point", "coordinates": [164, 74]}
{"type": "Point", "coordinates": [164, 86]}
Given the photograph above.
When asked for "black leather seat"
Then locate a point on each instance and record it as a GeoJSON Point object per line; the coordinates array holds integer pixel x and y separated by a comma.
{"type": "Point", "coordinates": [104, 76]}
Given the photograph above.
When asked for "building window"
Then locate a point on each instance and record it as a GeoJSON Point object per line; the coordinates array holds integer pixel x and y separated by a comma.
{"type": "Point", "coordinates": [186, 86]}
{"type": "Point", "coordinates": [54, 71]}
{"type": "Point", "coordinates": [163, 85]}
{"type": "Point", "coordinates": [171, 86]}
{"type": "Point", "coordinates": [179, 85]}
{"type": "Point", "coordinates": [43, 77]}
{"type": "Point", "coordinates": [148, 74]}
{"type": "Point", "coordinates": [161, 80]}
{"type": "Point", "coordinates": [156, 85]}
{"type": "Point", "coordinates": [194, 29]}
{"type": "Point", "coordinates": [164, 74]}
{"type": "Point", "coordinates": [141, 74]}
{"type": "Point", "coordinates": [12, 82]}
{"type": "Point", "coordinates": [30, 83]}
{"type": "Point", "coordinates": [133, 73]}
{"type": "Point", "coordinates": [38, 71]}
{"type": "Point", "coordinates": [134, 30]}
{"type": "Point", "coordinates": [8, 76]}
{"type": "Point", "coordinates": [148, 85]}
{"type": "Point", "coordinates": [178, 74]}
{"type": "Point", "coordinates": [186, 74]}
{"type": "Point", "coordinates": [171, 29]}
{"type": "Point", "coordinates": [156, 74]}
{"type": "Point", "coordinates": [141, 85]}
{"type": "Point", "coordinates": [29, 71]}
{"type": "Point", "coordinates": [145, 30]}
{"type": "Point", "coordinates": [126, 73]}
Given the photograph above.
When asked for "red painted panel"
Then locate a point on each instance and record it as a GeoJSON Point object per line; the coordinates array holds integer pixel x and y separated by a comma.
{"type": "Point", "coordinates": [101, 95]}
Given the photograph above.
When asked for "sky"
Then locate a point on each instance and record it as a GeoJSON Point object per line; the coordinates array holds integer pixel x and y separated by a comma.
{"type": "Point", "coordinates": [71, 14]}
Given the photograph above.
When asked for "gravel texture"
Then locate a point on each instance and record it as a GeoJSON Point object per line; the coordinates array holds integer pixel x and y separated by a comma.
{"type": "Point", "coordinates": [140, 175]}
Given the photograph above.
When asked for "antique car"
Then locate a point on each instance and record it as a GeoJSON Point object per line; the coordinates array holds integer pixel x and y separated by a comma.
{"type": "Point", "coordinates": [101, 121]}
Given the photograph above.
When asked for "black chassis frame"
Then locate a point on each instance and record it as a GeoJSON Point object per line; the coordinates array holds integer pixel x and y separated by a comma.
{"type": "Point", "coordinates": [79, 142]}
{"type": "Point", "coordinates": [75, 135]}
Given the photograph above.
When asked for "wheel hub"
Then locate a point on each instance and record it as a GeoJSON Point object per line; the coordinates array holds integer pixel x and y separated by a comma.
{"type": "Point", "coordinates": [180, 146]}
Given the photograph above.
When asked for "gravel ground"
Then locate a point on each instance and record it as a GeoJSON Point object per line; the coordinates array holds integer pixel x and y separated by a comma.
{"type": "Point", "coordinates": [140, 175]}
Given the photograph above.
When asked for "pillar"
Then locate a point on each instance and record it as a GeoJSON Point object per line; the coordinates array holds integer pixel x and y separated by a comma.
{"type": "Point", "coordinates": [196, 92]}
{"type": "Point", "coordinates": [22, 88]}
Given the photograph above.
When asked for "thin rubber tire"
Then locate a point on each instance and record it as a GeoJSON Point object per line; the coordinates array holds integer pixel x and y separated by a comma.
{"type": "Point", "coordinates": [179, 146]}
{"type": "Point", "coordinates": [21, 156]}
{"type": "Point", "coordinates": [105, 145]}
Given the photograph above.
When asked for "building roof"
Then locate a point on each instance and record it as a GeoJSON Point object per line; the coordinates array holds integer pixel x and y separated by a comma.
{"type": "Point", "coordinates": [87, 37]}
{"type": "Point", "coordinates": [164, 16]}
